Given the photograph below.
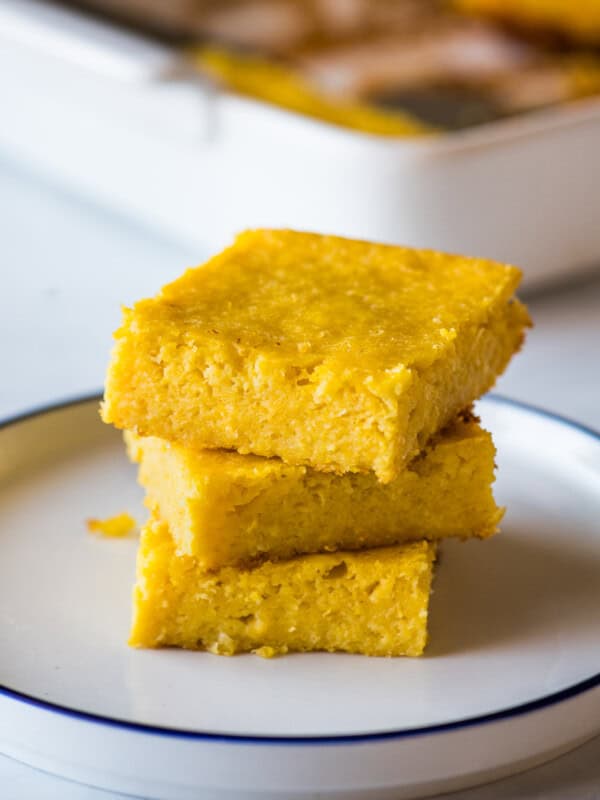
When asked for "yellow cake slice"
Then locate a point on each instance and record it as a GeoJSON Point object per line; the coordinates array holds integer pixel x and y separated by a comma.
{"type": "Point", "coordinates": [225, 508]}
{"type": "Point", "coordinates": [342, 355]}
{"type": "Point", "coordinates": [374, 602]}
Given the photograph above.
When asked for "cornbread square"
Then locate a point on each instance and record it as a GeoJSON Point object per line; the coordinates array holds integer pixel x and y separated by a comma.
{"type": "Point", "coordinates": [225, 508]}
{"type": "Point", "coordinates": [374, 602]}
{"type": "Point", "coordinates": [342, 355]}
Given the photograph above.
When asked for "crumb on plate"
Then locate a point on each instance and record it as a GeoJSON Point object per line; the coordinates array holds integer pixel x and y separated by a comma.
{"type": "Point", "coordinates": [113, 527]}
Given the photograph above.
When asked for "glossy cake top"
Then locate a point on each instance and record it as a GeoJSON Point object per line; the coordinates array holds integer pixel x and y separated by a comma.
{"type": "Point", "coordinates": [313, 297]}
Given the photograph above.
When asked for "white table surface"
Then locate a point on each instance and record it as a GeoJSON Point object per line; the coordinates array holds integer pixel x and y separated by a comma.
{"type": "Point", "coordinates": [66, 268]}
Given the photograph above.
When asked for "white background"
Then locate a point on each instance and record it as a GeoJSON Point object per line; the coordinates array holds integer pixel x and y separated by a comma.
{"type": "Point", "coordinates": [66, 266]}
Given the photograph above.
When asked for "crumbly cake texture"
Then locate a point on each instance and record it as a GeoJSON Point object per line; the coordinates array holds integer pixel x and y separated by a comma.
{"type": "Point", "coordinates": [225, 508]}
{"type": "Point", "coordinates": [342, 355]}
{"type": "Point", "coordinates": [577, 19]}
{"type": "Point", "coordinates": [374, 602]}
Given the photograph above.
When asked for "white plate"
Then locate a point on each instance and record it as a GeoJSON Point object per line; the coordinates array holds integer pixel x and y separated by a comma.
{"type": "Point", "coordinates": [510, 678]}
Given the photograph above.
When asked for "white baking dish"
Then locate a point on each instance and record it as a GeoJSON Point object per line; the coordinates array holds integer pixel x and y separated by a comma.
{"type": "Point", "coordinates": [113, 116]}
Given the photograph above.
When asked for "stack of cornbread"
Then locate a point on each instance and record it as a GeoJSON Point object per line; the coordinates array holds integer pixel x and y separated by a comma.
{"type": "Point", "coordinates": [299, 408]}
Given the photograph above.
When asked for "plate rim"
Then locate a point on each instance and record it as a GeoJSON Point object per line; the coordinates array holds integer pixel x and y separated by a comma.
{"type": "Point", "coordinates": [504, 714]}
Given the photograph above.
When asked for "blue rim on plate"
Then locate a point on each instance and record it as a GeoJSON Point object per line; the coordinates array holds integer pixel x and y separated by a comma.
{"type": "Point", "coordinates": [359, 738]}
